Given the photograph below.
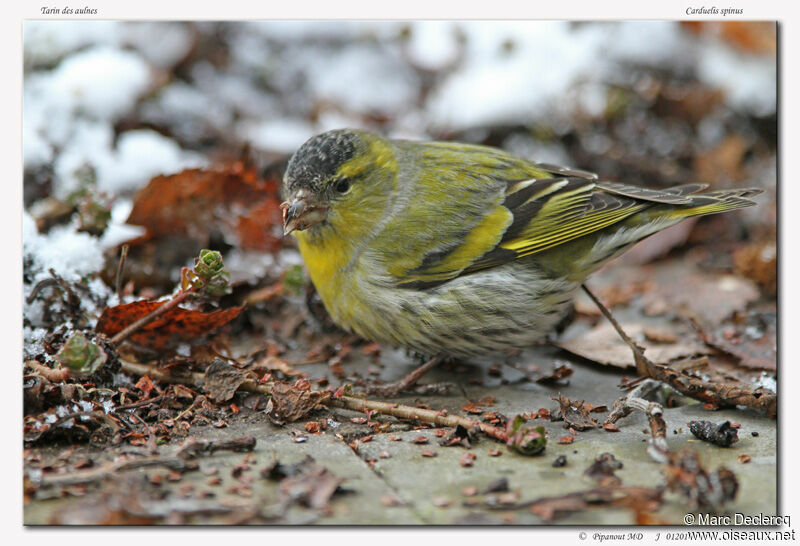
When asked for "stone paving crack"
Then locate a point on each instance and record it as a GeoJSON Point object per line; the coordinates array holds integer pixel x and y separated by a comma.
{"type": "Point", "coordinates": [406, 502]}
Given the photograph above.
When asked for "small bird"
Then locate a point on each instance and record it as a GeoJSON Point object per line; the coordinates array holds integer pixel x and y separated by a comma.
{"type": "Point", "coordinates": [461, 250]}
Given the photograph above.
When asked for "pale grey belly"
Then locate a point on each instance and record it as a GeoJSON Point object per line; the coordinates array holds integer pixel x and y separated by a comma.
{"type": "Point", "coordinates": [484, 313]}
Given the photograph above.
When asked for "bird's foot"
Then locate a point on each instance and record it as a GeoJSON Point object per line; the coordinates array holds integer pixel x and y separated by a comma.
{"type": "Point", "coordinates": [394, 388]}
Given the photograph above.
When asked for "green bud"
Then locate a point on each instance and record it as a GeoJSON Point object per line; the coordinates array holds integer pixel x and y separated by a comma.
{"type": "Point", "coordinates": [525, 440]}
{"type": "Point", "coordinates": [81, 355]}
{"type": "Point", "coordinates": [209, 276]}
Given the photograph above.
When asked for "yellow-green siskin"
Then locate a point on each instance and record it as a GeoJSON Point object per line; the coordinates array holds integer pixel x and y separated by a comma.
{"type": "Point", "coordinates": [462, 250]}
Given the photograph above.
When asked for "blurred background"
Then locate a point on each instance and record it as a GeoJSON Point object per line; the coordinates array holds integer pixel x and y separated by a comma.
{"type": "Point", "coordinates": [110, 105]}
{"type": "Point", "coordinates": [647, 101]}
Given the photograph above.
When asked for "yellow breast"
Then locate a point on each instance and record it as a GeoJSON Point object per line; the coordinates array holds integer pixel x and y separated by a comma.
{"type": "Point", "coordinates": [327, 266]}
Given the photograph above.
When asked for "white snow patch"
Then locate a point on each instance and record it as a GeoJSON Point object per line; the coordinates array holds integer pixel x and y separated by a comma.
{"type": "Point", "coordinates": [767, 381]}
{"type": "Point", "coordinates": [45, 42]}
{"type": "Point", "coordinates": [360, 78]}
{"type": "Point", "coordinates": [139, 156]}
{"type": "Point", "coordinates": [101, 82]}
{"type": "Point", "coordinates": [748, 81]}
{"type": "Point", "coordinates": [433, 44]}
{"type": "Point", "coordinates": [162, 43]}
{"type": "Point", "coordinates": [278, 135]}
{"type": "Point", "coordinates": [97, 86]}
{"type": "Point", "coordinates": [513, 72]}
{"type": "Point", "coordinates": [70, 254]}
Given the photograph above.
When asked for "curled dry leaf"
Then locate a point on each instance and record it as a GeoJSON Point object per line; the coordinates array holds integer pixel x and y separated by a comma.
{"type": "Point", "coordinates": [575, 414]}
{"type": "Point", "coordinates": [272, 363]}
{"type": "Point", "coordinates": [175, 326]}
{"type": "Point", "coordinates": [296, 400]}
{"type": "Point", "coordinates": [558, 375]}
{"type": "Point", "coordinates": [222, 380]}
{"type": "Point", "coordinates": [231, 200]}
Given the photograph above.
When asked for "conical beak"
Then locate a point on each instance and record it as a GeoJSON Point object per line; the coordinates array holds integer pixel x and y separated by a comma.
{"type": "Point", "coordinates": [301, 213]}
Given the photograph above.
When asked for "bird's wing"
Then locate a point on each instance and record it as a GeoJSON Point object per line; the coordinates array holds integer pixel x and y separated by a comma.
{"type": "Point", "coordinates": [488, 221]}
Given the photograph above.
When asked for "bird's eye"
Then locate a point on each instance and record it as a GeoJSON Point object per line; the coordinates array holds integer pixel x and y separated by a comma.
{"type": "Point", "coordinates": [342, 186]}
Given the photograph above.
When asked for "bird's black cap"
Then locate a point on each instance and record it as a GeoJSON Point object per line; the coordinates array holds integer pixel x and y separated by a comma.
{"type": "Point", "coordinates": [318, 160]}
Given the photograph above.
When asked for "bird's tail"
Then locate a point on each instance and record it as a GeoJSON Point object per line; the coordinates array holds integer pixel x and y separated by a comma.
{"type": "Point", "coordinates": [712, 202]}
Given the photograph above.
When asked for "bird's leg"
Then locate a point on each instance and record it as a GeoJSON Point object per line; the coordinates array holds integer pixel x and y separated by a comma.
{"type": "Point", "coordinates": [404, 383]}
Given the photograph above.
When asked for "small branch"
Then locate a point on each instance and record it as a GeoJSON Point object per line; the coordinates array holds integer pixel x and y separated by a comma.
{"type": "Point", "coordinates": [123, 334]}
{"type": "Point", "coordinates": [139, 404]}
{"type": "Point", "coordinates": [343, 402]}
{"type": "Point", "coordinates": [44, 283]}
{"type": "Point", "coordinates": [658, 448]}
{"type": "Point", "coordinates": [52, 375]}
{"type": "Point", "coordinates": [719, 394]}
{"type": "Point", "coordinates": [643, 365]}
{"type": "Point", "coordinates": [112, 469]}
{"type": "Point", "coordinates": [194, 446]}
{"type": "Point", "coordinates": [418, 414]}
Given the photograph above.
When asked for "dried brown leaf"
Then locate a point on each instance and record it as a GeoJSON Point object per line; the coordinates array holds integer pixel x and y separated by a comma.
{"type": "Point", "coordinates": [295, 401]}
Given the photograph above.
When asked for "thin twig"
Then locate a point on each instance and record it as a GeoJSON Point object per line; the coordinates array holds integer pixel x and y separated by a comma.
{"type": "Point", "coordinates": [643, 365]}
{"type": "Point", "coordinates": [193, 446]}
{"type": "Point", "coordinates": [635, 400]}
{"type": "Point", "coordinates": [44, 283]}
{"type": "Point", "coordinates": [718, 394]}
{"type": "Point", "coordinates": [409, 412]}
{"type": "Point", "coordinates": [112, 469]}
{"type": "Point", "coordinates": [120, 267]}
{"type": "Point", "coordinates": [123, 334]}
{"type": "Point", "coordinates": [139, 404]}
{"type": "Point", "coordinates": [53, 375]}
{"type": "Point", "coordinates": [344, 402]}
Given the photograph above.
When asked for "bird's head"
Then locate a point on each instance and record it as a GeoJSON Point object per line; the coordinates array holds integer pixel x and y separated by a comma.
{"type": "Point", "coordinates": [340, 179]}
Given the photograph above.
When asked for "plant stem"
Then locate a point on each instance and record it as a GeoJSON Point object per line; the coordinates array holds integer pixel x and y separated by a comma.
{"type": "Point", "coordinates": [123, 334]}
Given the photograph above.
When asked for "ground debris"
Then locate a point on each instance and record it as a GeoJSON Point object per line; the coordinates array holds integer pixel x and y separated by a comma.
{"type": "Point", "coordinates": [575, 414]}
{"type": "Point", "coordinates": [221, 380]}
{"type": "Point", "coordinates": [175, 326]}
{"type": "Point", "coordinates": [639, 499]}
{"type": "Point", "coordinates": [524, 439]}
{"type": "Point", "coordinates": [723, 434]}
{"type": "Point", "coordinates": [460, 436]}
{"type": "Point", "coordinates": [704, 490]}
{"type": "Point", "coordinates": [124, 503]}
{"type": "Point", "coordinates": [296, 400]}
{"type": "Point", "coordinates": [194, 446]}
{"type": "Point", "coordinates": [603, 468]}
{"type": "Point", "coordinates": [558, 376]}
{"type": "Point", "coordinates": [560, 461]}
{"type": "Point", "coordinates": [604, 346]}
